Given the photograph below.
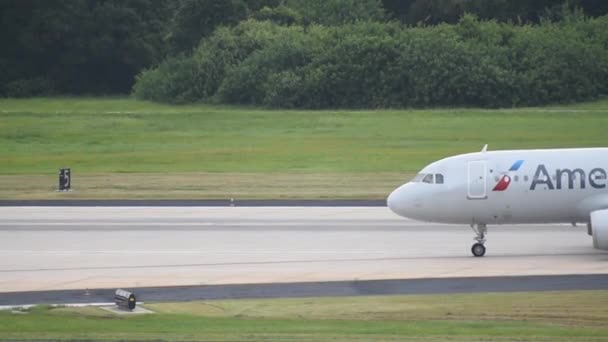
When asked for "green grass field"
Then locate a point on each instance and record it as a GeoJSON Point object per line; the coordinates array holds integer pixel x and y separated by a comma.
{"type": "Point", "coordinates": [549, 316]}
{"type": "Point", "coordinates": [212, 147]}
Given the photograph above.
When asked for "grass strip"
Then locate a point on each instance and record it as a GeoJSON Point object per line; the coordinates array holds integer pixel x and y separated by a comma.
{"type": "Point", "coordinates": [548, 316]}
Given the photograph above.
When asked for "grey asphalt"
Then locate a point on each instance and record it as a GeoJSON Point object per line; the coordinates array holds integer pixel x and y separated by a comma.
{"type": "Point", "coordinates": [51, 254]}
{"type": "Point", "coordinates": [194, 203]}
{"type": "Point", "coordinates": [318, 289]}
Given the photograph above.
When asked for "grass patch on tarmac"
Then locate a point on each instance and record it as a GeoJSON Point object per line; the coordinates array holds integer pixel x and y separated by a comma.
{"type": "Point", "coordinates": [147, 146]}
{"type": "Point", "coordinates": [548, 316]}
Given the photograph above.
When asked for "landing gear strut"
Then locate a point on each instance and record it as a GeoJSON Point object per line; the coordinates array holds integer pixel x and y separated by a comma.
{"type": "Point", "coordinates": [478, 248]}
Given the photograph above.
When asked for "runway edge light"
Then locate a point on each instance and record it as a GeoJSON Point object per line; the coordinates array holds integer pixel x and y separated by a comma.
{"type": "Point", "coordinates": [125, 299]}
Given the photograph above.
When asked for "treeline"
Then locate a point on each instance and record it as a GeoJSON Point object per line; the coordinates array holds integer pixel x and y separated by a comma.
{"type": "Point", "coordinates": [78, 46]}
{"type": "Point", "coordinates": [519, 11]}
{"type": "Point", "coordinates": [99, 46]}
{"type": "Point", "coordinates": [372, 64]}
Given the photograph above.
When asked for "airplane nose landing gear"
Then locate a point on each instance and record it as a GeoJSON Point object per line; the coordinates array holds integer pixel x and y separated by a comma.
{"type": "Point", "coordinates": [478, 248]}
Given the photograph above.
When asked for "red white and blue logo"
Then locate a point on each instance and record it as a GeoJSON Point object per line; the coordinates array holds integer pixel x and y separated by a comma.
{"type": "Point", "coordinates": [505, 180]}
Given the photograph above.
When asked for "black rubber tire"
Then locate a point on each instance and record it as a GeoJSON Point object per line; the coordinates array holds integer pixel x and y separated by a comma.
{"type": "Point", "coordinates": [478, 250]}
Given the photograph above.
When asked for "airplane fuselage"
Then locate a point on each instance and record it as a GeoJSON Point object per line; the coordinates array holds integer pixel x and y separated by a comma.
{"type": "Point", "coordinates": [508, 187]}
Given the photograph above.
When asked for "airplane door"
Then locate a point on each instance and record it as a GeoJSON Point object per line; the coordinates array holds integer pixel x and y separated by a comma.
{"type": "Point", "coordinates": [476, 180]}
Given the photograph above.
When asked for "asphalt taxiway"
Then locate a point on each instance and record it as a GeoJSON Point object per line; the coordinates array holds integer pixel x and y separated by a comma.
{"type": "Point", "coordinates": [315, 289]}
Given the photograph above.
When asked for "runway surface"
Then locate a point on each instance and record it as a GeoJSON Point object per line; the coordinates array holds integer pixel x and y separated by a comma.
{"type": "Point", "coordinates": [194, 203]}
{"type": "Point", "coordinates": [59, 248]}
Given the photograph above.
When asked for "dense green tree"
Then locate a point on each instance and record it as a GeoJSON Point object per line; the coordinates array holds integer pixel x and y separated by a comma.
{"type": "Point", "coordinates": [98, 46]}
{"type": "Point", "coordinates": [449, 11]}
{"type": "Point", "coordinates": [281, 15]}
{"type": "Point", "coordinates": [594, 8]}
{"type": "Point", "coordinates": [337, 12]}
{"type": "Point", "coordinates": [78, 46]}
{"type": "Point", "coordinates": [196, 19]}
{"type": "Point", "coordinates": [193, 20]}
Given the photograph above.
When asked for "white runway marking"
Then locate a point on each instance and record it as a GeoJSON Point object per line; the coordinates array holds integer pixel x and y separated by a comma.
{"type": "Point", "coordinates": [76, 248]}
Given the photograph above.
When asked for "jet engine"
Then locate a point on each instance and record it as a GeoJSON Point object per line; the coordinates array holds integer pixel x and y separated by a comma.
{"type": "Point", "coordinates": [599, 228]}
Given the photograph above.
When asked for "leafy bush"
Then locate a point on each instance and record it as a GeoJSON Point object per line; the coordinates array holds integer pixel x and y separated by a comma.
{"type": "Point", "coordinates": [173, 81]}
{"type": "Point", "coordinates": [281, 15]}
{"type": "Point", "coordinates": [337, 12]}
{"type": "Point", "coordinates": [372, 64]}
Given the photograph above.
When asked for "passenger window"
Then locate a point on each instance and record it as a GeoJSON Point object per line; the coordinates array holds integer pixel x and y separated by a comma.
{"type": "Point", "coordinates": [516, 178]}
{"type": "Point", "coordinates": [428, 179]}
{"type": "Point", "coordinates": [438, 178]}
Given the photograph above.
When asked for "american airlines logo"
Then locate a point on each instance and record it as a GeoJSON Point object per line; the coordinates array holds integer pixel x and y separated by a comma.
{"type": "Point", "coordinates": [505, 180]}
{"type": "Point", "coordinates": [560, 179]}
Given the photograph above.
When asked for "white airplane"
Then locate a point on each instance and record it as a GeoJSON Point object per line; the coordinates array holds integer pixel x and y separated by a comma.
{"type": "Point", "coordinates": [511, 187]}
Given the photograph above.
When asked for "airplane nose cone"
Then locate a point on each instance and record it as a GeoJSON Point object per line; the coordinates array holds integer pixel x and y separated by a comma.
{"type": "Point", "coordinates": [406, 201]}
{"type": "Point", "coordinates": [391, 201]}
{"type": "Point", "coordinates": [397, 201]}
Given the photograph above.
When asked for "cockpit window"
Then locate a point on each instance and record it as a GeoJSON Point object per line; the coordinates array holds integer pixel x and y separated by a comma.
{"type": "Point", "coordinates": [428, 179]}
{"type": "Point", "coordinates": [418, 178]}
